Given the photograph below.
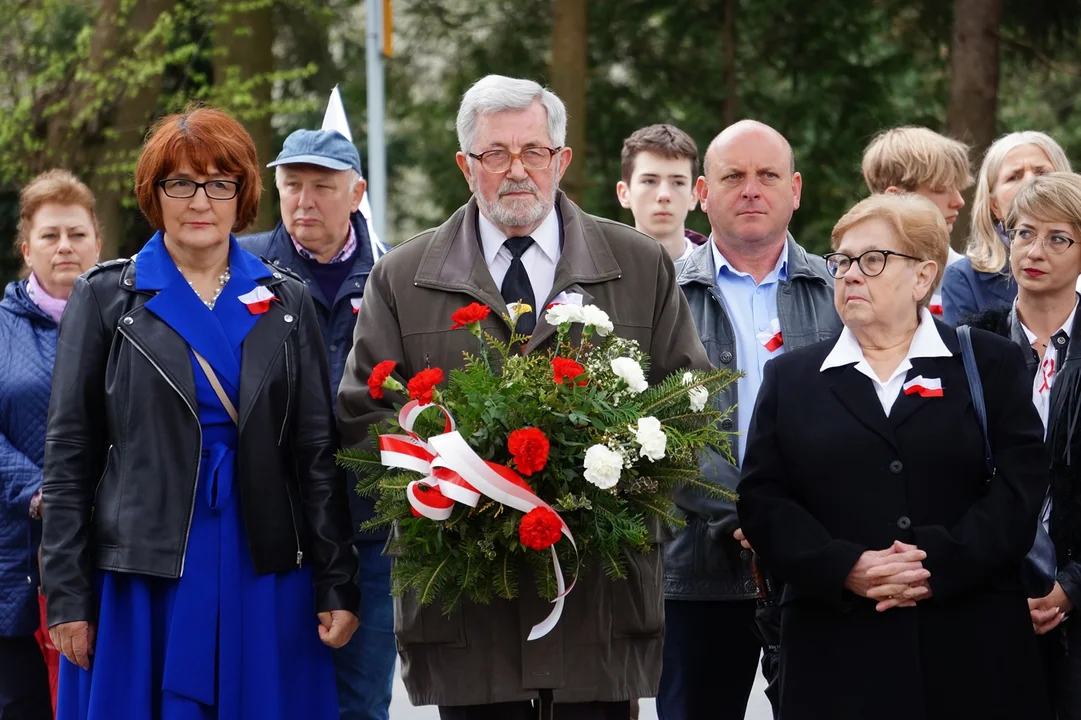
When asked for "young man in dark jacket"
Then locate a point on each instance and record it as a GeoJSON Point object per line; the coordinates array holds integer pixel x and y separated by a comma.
{"type": "Point", "coordinates": [323, 238]}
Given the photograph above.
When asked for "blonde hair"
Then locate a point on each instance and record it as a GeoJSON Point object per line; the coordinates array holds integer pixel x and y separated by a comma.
{"type": "Point", "coordinates": [917, 224]}
{"type": "Point", "coordinates": [1055, 197]}
{"type": "Point", "coordinates": [985, 248]}
{"type": "Point", "coordinates": [911, 157]}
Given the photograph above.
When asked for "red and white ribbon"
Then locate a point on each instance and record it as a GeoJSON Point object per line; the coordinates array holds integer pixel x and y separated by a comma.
{"type": "Point", "coordinates": [455, 473]}
{"type": "Point", "coordinates": [772, 339]}
{"type": "Point", "coordinates": [495, 481]}
{"type": "Point", "coordinates": [355, 302]}
{"type": "Point", "coordinates": [258, 300]}
{"type": "Point", "coordinates": [924, 387]}
{"type": "Point", "coordinates": [936, 304]}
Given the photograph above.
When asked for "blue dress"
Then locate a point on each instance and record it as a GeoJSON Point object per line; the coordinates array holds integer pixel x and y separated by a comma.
{"type": "Point", "coordinates": [220, 642]}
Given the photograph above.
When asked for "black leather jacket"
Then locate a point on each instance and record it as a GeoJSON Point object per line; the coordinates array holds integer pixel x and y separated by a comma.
{"type": "Point", "coordinates": [123, 446]}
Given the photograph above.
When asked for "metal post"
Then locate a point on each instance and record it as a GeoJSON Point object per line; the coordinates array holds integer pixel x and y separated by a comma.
{"type": "Point", "coordinates": [377, 144]}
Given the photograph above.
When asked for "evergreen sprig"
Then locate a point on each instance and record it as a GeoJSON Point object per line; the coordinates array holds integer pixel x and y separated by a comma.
{"type": "Point", "coordinates": [476, 554]}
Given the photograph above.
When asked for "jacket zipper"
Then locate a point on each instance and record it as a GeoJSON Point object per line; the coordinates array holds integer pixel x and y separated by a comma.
{"type": "Point", "coordinates": [199, 456]}
{"type": "Point", "coordinates": [281, 436]}
{"type": "Point", "coordinates": [288, 394]}
{"type": "Point", "coordinates": [97, 488]}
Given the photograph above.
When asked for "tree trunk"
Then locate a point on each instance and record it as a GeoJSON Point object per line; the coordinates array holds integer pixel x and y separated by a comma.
{"type": "Point", "coordinates": [974, 75]}
{"type": "Point", "coordinates": [728, 39]}
{"type": "Point", "coordinates": [569, 75]}
{"type": "Point", "coordinates": [240, 58]}
{"type": "Point", "coordinates": [111, 181]}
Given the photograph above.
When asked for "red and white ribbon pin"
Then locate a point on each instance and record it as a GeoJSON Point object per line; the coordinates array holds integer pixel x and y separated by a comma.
{"type": "Point", "coordinates": [355, 302]}
{"type": "Point", "coordinates": [258, 300]}
{"type": "Point", "coordinates": [936, 304]}
{"type": "Point", "coordinates": [924, 387]}
{"type": "Point", "coordinates": [771, 339]}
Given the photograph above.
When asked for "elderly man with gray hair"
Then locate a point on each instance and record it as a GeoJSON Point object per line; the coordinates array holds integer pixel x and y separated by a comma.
{"type": "Point", "coordinates": [520, 238]}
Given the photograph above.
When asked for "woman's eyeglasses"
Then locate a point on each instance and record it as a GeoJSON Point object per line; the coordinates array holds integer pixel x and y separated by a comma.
{"type": "Point", "coordinates": [871, 263]}
{"type": "Point", "coordinates": [181, 188]}
{"type": "Point", "coordinates": [1023, 239]}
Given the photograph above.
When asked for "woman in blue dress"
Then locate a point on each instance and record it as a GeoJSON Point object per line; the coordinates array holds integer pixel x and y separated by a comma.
{"type": "Point", "coordinates": [196, 548]}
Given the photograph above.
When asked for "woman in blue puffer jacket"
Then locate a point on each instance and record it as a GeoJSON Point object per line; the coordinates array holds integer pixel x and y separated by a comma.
{"type": "Point", "coordinates": [59, 239]}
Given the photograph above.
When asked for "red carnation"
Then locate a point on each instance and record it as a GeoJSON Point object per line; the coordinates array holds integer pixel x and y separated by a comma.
{"type": "Point", "coordinates": [567, 369]}
{"type": "Point", "coordinates": [539, 529]}
{"type": "Point", "coordinates": [529, 447]}
{"type": "Point", "coordinates": [472, 313]}
{"type": "Point", "coordinates": [379, 375]}
{"type": "Point", "coordinates": [423, 385]}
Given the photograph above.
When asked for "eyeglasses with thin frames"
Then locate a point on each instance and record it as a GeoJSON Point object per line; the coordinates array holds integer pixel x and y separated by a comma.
{"type": "Point", "coordinates": [1023, 239]}
{"type": "Point", "coordinates": [182, 188]}
{"type": "Point", "coordinates": [872, 263]}
{"type": "Point", "coordinates": [533, 158]}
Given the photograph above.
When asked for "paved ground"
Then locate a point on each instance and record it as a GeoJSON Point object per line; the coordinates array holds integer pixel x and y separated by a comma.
{"type": "Point", "coordinates": [400, 709]}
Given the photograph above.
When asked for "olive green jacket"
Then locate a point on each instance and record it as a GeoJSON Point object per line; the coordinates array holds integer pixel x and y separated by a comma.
{"type": "Point", "coordinates": [607, 647]}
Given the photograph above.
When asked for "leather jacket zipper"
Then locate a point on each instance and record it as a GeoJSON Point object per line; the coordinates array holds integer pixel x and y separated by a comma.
{"type": "Point", "coordinates": [199, 455]}
{"type": "Point", "coordinates": [288, 394]}
{"type": "Point", "coordinates": [281, 436]}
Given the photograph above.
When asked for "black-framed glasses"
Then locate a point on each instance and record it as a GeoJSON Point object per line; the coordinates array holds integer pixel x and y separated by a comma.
{"type": "Point", "coordinates": [871, 263]}
{"type": "Point", "coordinates": [533, 158]}
{"type": "Point", "coordinates": [182, 188]}
{"type": "Point", "coordinates": [1023, 239]}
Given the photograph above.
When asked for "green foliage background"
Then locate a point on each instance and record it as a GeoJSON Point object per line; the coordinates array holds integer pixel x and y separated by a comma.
{"type": "Point", "coordinates": [828, 74]}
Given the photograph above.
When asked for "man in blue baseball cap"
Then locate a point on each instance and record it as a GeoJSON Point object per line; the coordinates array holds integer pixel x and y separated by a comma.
{"type": "Point", "coordinates": [325, 238]}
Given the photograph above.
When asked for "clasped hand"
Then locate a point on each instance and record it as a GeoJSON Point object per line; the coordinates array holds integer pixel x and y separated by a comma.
{"type": "Point", "coordinates": [894, 577]}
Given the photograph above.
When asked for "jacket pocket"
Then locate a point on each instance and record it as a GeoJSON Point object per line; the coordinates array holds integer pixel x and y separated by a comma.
{"type": "Point", "coordinates": [638, 600]}
{"type": "Point", "coordinates": [426, 625]}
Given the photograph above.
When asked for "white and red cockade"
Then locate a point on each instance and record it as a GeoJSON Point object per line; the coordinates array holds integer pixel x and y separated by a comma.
{"type": "Point", "coordinates": [258, 300]}
{"type": "Point", "coordinates": [772, 339]}
{"type": "Point", "coordinates": [924, 387]}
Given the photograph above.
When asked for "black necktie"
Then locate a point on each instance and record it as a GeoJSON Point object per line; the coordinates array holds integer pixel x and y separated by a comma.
{"type": "Point", "coordinates": [516, 285]}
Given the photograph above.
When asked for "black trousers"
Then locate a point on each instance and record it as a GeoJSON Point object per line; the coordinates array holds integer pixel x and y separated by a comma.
{"type": "Point", "coordinates": [24, 681]}
{"type": "Point", "coordinates": [533, 711]}
{"type": "Point", "coordinates": [711, 651]}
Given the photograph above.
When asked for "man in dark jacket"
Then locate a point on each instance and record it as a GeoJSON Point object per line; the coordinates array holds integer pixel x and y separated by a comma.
{"type": "Point", "coordinates": [754, 293]}
{"type": "Point", "coordinates": [324, 238]}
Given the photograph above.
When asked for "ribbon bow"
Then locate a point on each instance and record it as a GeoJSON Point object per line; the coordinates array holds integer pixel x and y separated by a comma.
{"type": "Point", "coordinates": [454, 473]}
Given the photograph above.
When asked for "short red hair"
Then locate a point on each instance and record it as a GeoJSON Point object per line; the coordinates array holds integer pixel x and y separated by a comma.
{"type": "Point", "coordinates": [200, 136]}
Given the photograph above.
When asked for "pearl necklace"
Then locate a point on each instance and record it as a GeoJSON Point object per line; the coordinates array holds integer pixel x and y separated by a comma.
{"type": "Point", "coordinates": [222, 280]}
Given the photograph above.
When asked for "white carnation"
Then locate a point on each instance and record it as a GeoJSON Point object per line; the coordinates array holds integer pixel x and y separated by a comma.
{"type": "Point", "coordinates": [593, 315]}
{"type": "Point", "coordinates": [563, 314]}
{"type": "Point", "coordinates": [631, 373]}
{"type": "Point", "coordinates": [603, 466]}
{"type": "Point", "coordinates": [651, 437]}
{"type": "Point", "coordinates": [698, 397]}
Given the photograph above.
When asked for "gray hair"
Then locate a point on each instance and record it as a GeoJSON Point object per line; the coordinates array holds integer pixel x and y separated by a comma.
{"type": "Point", "coordinates": [498, 93]}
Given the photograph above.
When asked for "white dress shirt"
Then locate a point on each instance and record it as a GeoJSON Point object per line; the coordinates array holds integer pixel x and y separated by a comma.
{"type": "Point", "coordinates": [539, 260]}
{"type": "Point", "coordinates": [1041, 388]}
{"type": "Point", "coordinates": [926, 343]}
{"type": "Point", "coordinates": [1048, 369]}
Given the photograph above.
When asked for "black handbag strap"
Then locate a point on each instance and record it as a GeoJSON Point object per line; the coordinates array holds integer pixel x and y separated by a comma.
{"type": "Point", "coordinates": [975, 389]}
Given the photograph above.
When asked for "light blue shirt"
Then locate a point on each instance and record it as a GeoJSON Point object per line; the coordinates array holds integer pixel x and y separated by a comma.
{"type": "Point", "coordinates": [751, 307]}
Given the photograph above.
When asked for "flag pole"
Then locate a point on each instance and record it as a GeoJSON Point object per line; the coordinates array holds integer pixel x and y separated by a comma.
{"type": "Point", "coordinates": [377, 148]}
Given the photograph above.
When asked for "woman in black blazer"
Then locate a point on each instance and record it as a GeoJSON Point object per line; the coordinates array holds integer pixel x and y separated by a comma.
{"type": "Point", "coordinates": [865, 488]}
{"type": "Point", "coordinates": [1045, 259]}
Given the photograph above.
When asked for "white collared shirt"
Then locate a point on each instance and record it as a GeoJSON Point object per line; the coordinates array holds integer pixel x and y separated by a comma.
{"type": "Point", "coordinates": [688, 248]}
{"type": "Point", "coordinates": [1048, 368]}
{"type": "Point", "coordinates": [539, 260]}
{"type": "Point", "coordinates": [926, 343]}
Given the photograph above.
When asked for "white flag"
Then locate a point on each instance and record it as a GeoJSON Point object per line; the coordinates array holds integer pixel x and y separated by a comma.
{"type": "Point", "coordinates": [334, 119]}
